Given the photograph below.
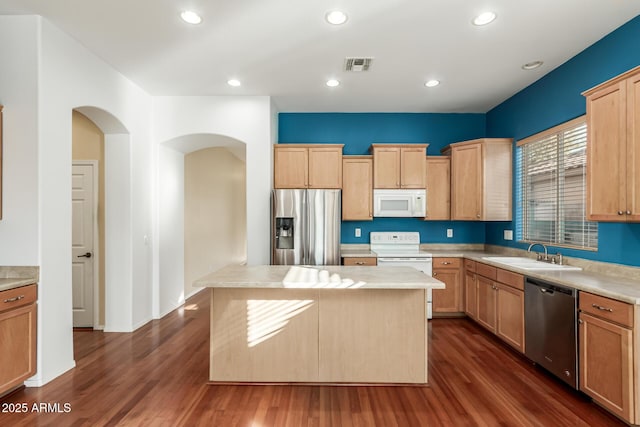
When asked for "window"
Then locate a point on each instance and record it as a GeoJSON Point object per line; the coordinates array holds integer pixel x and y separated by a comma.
{"type": "Point", "coordinates": [551, 188]}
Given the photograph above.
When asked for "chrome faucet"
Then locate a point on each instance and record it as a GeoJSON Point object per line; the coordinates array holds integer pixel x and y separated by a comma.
{"type": "Point", "coordinates": [546, 256]}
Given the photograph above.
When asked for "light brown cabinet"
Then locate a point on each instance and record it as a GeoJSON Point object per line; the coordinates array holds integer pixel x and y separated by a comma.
{"type": "Point", "coordinates": [307, 166]}
{"type": "Point", "coordinates": [613, 149]}
{"type": "Point", "coordinates": [606, 354]}
{"type": "Point", "coordinates": [495, 299]}
{"type": "Point", "coordinates": [399, 166]}
{"type": "Point", "coordinates": [18, 336]}
{"type": "Point", "coordinates": [438, 184]}
{"type": "Point", "coordinates": [363, 261]}
{"type": "Point", "coordinates": [448, 300]}
{"type": "Point", "coordinates": [481, 180]}
{"type": "Point", "coordinates": [357, 188]}
{"type": "Point", "coordinates": [470, 289]}
{"type": "Point", "coordinates": [1, 107]}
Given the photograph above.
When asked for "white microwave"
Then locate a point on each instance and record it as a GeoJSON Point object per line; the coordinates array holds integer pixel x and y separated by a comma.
{"type": "Point", "coordinates": [400, 203]}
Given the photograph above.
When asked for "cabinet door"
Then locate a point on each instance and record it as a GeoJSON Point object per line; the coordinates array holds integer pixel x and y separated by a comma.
{"type": "Point", "coordinates": [606, 154]}
{"type": "Point", "coordinates": [633, 148]}
{"type": "Point", "coordinates": [357, 189]}
{"type": "Point", "coordinates": [448, 300]}
{"type": "Point", "coordinates": [386, 167]}
{"type": "Point", "coordinates": [510, 316]}
{"type": "Point", "coordinates": [606, 364]}
{"type": "Point", "coordinates": [438, 184]}
{"type": "Point", "coordinates": [18, 338]}
{"type": "Point", "coordinates": [290, 167]}
{"type": "Point", "coordinates": [486, 303]}
{"type": "Point", "coordinates": [470, 294]}
{"type": "Point", "coordinates": [325, 167]}
{"type": "Point", "coordinates": [466, 182]}
{"type": "Point", "coordinates": [413, 167]}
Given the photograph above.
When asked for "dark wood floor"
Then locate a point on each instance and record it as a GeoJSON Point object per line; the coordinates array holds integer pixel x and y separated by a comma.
{"type": "Point", "coordinates": [157, 376]}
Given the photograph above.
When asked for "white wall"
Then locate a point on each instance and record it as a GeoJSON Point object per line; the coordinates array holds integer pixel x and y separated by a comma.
{"type": "Point", "coordinates": [19, 242]}
{"type": "Point", "coordinates": [247, 119]}
{"type": "Point", "coordinates": [171, 222]}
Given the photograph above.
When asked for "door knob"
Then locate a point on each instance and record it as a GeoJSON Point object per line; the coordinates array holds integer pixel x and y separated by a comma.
{"type": "Point", "coordinates": [87, 255]}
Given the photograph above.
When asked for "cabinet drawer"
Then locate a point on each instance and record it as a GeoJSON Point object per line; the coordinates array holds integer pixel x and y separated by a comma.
{"type": "Point", "coordinates": [470, 265]}
{"type": "Point", "coordinates": [607, 308]}
{"type": "Point", "coordinates": [514, 280]}
{"type": "Point", "coordinates": [17, 297]}
{"type": "Point", "coordinates": [441, 263]}
{"type": "Point", "coordinates": [486, 270]}
{"type": "Point", "coordinates": [360, 261]}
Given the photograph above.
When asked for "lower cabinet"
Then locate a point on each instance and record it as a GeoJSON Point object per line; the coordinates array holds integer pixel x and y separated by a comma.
{"type": "Point", "coordinates": [470, 289]}
{"type": "Point", "coordinates": [486, 300]}
{"type": "Point", "coordinates": [495, 299]}
{"type": "Point", "coordinates": [606, 354]}
{"type": "Point", "coordinates": [449, 300]}
{"type": "Point", "coordinates": [18, 336]}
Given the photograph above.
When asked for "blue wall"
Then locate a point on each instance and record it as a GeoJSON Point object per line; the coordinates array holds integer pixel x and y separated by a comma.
{"type": "Point", "coordinates": [556, 98]}
{"type": "Point", "coordinates": [359, 130]}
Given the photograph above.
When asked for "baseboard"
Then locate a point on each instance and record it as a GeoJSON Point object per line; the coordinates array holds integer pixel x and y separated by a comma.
{"type": "Point", "coordinates": [37, 381]}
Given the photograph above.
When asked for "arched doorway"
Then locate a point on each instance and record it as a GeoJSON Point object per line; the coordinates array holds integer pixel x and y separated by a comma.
{"type": "Point", "coordinates": [202, 223]}
{"type": "Point", "coordinates": [114, 242]}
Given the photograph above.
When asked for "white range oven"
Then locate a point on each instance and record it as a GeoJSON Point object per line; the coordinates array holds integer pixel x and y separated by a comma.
{"type": "Point", "coordinates": [402, 249]}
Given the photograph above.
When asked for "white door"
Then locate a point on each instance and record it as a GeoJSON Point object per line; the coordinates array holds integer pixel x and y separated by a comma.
{"type": "Point", "coordinates": [82, 244]}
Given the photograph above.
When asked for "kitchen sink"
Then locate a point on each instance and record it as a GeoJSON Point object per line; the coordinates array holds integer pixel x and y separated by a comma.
{"type": "Point", "coordinates": [530, 264]}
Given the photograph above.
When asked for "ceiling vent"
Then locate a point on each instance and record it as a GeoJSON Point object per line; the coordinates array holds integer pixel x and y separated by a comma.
{"type": "Point", "coordinates": [357, 64]}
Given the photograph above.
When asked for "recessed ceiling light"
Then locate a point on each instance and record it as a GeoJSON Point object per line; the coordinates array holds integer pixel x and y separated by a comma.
{"type": "Point", "coordinates": [532, 65]}
{"type": "Point", "coordinates": [432, 83]}
{"type": "Point", "coordinates": [484, 18]}
{"type": "Point", "coordinates": [332, 83]}
{"type": "Point", "coordinates": [190, 17]}
{"type": "Point", "coordinates": [336, 17]}
{"type": "Point", "coordinates": [233, 82]}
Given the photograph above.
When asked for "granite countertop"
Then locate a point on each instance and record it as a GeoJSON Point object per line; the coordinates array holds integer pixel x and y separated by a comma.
{"type": "Point", "coordinates": [357, 253]}
{"type": "Point", "coordinates": [15, 277]}
{"type": "Point", "coordinates": [327, 277]}
{"type": "Point", "coordinates": [599, 280]}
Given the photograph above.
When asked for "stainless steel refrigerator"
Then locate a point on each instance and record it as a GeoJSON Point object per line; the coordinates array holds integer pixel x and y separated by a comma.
{"type": "Point", "coordinates": [305, 227]}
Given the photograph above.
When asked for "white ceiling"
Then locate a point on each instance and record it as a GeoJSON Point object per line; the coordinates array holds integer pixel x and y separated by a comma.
{"type": "Point", "coordinates": [285, 49]}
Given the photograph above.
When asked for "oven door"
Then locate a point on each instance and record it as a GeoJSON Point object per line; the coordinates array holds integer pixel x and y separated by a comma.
{"type": "Point", "coordinates": [423, 264]}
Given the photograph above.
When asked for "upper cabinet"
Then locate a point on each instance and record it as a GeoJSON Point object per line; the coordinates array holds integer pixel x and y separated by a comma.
{"type": "Point", "coordinates": [399, 166]}
{"type": "Point", "coordinates": [481, 180]}
{"type": "Point", "coordinates": [438, 184]}
{"type": "Point", "coordinates": [613, 149]}
{"type": "Point", "coordinates": [307, 166]}
{"type": "Point", "coordinates": [357, 188]}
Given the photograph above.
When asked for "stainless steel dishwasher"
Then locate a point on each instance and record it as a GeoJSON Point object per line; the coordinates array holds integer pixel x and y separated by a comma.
{"type": "Point", "coordinates": [551, 328]}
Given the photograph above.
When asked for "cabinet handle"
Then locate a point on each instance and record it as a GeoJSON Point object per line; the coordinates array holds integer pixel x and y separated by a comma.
{"type": "Point", "coordinates": [628, 212]}
{"type": "Point", "coordinates": [14, 299]}
{"type": "Point", "coordinates": [599, 307]}
{"type": "Point", "coordinates": [477, 215]}
{"type": "Point", "coordinates": [360, 263]}
{"type": "Point", "coordinates": [620, 212]}
{"type": "Point", "coordinates": [580, 321]}
{"type": "Point", "coordinates": [445, 263]}
{"type": "Point", "coordinates": [435, 274]}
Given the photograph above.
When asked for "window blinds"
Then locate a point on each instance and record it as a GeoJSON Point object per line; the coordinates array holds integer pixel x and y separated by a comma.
{"type": "Point", "coordinates": [551, 199]}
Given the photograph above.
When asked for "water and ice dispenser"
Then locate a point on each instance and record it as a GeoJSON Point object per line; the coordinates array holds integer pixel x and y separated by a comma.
{"type": "Point", "coordinates": [284, 233]}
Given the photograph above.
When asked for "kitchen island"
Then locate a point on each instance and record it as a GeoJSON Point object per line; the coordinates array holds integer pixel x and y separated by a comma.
{"type": "Point", "coordinates": [318, 324]}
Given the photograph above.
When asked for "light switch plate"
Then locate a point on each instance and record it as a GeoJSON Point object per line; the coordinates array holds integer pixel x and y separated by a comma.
{"type": "Point", "coordinates": [449, 232]}
{"type": "Point", "coordinates": [508, 234]}
{"type": "Point", "coordinates": [358, 232]}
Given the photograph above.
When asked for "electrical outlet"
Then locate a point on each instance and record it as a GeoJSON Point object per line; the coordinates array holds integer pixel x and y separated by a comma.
{"type": "Point", "coordinates": [358, 232]}
{"type": "Point", "coordinates": [508, 234]}
{"type": "Point", "coordinates": [449, 232]}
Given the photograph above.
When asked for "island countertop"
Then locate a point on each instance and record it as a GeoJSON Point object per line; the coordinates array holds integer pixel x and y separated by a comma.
{"type": "Point", "coordinates": [317, 277]}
